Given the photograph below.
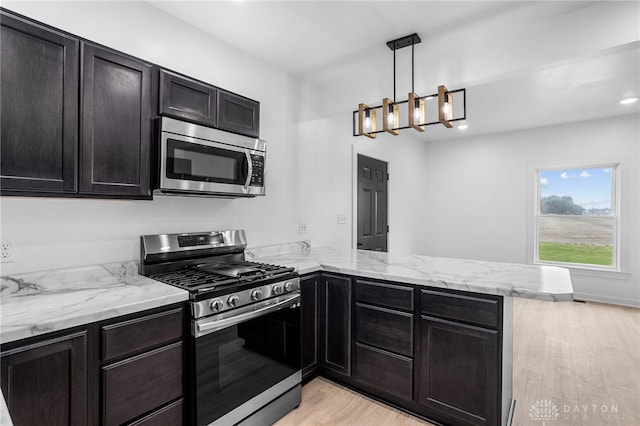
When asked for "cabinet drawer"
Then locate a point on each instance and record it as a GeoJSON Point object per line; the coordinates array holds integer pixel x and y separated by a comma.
{"type": "Point", "coordinates": [384, 328]}
{"type": "Point", "coordinates": [389, 295]}
{"type": "Point", "coordinates": [141, 333]}
{"type": "Point", "coordinates": [484, 311]}
{"type": "Point", "coordinates": [138, 385]}
{"type": "Point", "coordinates": [383, 370]}
{"type": "Point", "coordinates": [169, 415]}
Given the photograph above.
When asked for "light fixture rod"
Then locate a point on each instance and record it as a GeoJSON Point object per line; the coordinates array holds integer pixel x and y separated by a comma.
{"type": "Point", "coordinates": [412, 69]}
{"type": "Point", "coordinates": [394, 76]}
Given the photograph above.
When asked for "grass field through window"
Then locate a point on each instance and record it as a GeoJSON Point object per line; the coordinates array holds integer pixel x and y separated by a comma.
{"type": "Point", "coordinates": [576, 253]}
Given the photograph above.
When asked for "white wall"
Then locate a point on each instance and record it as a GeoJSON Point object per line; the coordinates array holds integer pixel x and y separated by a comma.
{"type": "Point", "coordinates": [56, 233]}
{"type": "Point", "coordinates": [481, 196]}
{"type": "Point", "coordinates": [327, 149]}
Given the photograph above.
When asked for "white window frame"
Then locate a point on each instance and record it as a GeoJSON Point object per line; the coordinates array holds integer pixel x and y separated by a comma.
{"type": "Point", "coordinates": [615, 213]}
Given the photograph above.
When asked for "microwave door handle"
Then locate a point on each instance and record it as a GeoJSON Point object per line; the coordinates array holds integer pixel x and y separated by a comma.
{"type": "Point", "coordinates": [249, 169]}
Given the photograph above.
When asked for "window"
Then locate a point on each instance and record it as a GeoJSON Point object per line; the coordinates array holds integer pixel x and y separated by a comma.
{"type": "Point", "coordinates": [576, 221]}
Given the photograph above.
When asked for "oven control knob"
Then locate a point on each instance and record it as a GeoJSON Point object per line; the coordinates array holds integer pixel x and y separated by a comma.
{"type": "Point", "coordinates": [256, 294]}
{"type": "Point", "coordinates": [216, 305]}
{"type": "Point", "coordinates": [288, 286]}
{"type": "Point", "coordinates": [233, 301]}
{"type": "Point", "coordinates": [277, 289]}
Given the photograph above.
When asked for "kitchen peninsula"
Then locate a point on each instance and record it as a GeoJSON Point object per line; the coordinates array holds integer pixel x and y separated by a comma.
{"type": "Point", "coordinates": [430, 335]}
{"type": "Point", "coordinates": [433, 336]}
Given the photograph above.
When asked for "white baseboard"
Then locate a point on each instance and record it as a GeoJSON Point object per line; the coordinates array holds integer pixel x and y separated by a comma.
{"type": "Point", "coordinates": [605, 299]}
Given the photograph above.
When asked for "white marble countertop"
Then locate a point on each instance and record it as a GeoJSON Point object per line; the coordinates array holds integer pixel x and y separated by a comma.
{"type": "Point", "coordinates": [548, 283]}
{"type": "Point", "coordinates": [40, 302]}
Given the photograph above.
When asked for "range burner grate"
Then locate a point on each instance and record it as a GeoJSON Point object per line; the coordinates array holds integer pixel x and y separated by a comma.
{"type": "Point", "coordinates": [197, 279]}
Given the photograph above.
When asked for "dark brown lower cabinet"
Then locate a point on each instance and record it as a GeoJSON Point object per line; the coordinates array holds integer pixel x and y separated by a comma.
{"type": "Point", "coordinates": [335, 296]}
{"type": "Point", "coordinates": [438, 355]}
{"type": "Point", "coordinates": [127, 370]}
{"type": "Point", "coordinates": [459, 379]}
{"type": "Point", "coordinates": [45, 383]}
{"type": "Point", "coordinates": [135, 386]}
{"type": "Point", "coordinates": [309, 328]}
{"type": "Point", "coordinates": [386, 372]}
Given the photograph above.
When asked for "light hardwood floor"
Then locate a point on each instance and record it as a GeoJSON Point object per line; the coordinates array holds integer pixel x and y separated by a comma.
{"type": "Point", "coordinates": [584, 358]}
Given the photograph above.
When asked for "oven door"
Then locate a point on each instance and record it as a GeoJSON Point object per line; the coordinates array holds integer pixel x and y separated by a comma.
{"type": "Point", "coordinates": [197, 165]}
{"type": "Point", "coordinates": [244, 361]}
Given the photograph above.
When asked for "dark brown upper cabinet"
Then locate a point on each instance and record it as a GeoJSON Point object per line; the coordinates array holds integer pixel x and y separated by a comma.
{"type": "Point", "coordinates": [116, 124]}
{"type": "Point", "coordinates": [187, 99]}
{"type": "Point", "coordinates": [39, 108]}
{"type": "Point", "coordinates": [238, 114]}
{"type": "Point", "coordinates": [76, 118]}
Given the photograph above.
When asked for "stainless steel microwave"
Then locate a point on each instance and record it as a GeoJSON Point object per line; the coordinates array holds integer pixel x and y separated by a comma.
{"type": "Point", "coordinates": [202, 161]}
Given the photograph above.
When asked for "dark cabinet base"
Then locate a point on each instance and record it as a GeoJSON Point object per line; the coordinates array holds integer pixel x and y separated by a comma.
{"type": "Point", "coordinates": [54, 374]}
{"type": "Point", "coordinates": [442, 355]}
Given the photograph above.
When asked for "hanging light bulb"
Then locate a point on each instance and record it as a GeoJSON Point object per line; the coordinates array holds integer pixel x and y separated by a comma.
{"type": "Point", "coordinates": [416, 111]}
{"type": "Point", "coordinates": [445, 106]}
{"type": "Point", "coordinates": [367, 120]}
{"type": "Point", "coordinates": [392, 121]}
{"type": "Point", "coordinates": [390, 117]}
{"type": "Point", "coordinates": [446, 110]}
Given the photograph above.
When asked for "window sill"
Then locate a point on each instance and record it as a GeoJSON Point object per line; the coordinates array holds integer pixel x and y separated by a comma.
{"type": "Point", "coordinates": [585, 271]}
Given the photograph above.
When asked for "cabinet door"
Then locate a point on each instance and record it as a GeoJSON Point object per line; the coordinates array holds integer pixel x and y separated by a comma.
{"type": "Point", "coordinates": [39, 108]}
{"type": "Point", "coordinates": [460, 372]}
{"type": "Point", "coordinates": [336, 323]}
{"type": "Point", "coordinates": [187, 99]}
{"type": "Point", "coordinates": [116, 124]}
{"type": "Point", "coordinates": [309, 320]}
{"type": "Point", "coordinates": [45, 383]}
{"type": "Point", "coordinates": [238, 114]}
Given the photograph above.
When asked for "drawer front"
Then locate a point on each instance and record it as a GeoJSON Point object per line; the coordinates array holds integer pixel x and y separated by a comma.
{"type": "Point", "coordinates": [475, 310]}
{"type": "Point", "coordinates": [389, 295]}
{"type": "Point", "coordinates": [141, 384]}
{"type": "Point", "coordinates": [169, 415]}
{"type": "Point", "coordinates": [383, 370]}
{"type": "Point", "coordinates": [384, 328]}
{"type": "Point", "coordinates": [141, 333]}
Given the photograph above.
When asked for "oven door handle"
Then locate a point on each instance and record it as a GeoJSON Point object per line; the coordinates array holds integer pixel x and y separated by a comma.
{"type": "Point", "coordinates": [212, 325]}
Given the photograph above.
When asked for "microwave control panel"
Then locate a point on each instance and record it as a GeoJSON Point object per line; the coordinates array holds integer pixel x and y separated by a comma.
{"type": "Point", "coordinates": [257, 176]}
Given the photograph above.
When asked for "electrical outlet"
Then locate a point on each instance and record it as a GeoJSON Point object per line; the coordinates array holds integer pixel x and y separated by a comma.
{"type": "Point", "coordinates": [6, 251]}
{"type": "Point", "coordinates": [302, 228]}
{"type": "Point", "coordinates": [342, 219]}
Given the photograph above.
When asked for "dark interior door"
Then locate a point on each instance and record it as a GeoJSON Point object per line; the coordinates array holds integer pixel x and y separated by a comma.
{"type": "Point", "coordinates": [372, 204]}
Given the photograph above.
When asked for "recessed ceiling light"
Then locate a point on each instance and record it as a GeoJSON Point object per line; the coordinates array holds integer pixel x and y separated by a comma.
{"type": "Point", "coordinates": [463, 127]}
{"type": "Point", "coordinates": [628, 101]}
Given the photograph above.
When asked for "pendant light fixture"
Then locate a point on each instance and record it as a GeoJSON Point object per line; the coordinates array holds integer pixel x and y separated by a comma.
{"type": "Point", "coordinates": [416, 106]}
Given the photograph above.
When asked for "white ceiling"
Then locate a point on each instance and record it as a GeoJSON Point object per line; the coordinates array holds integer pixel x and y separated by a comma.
{"type": "Point", "coordinates": [524, 64]}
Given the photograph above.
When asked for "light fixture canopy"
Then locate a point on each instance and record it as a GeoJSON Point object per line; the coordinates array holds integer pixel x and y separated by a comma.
{"type": "Point", "coordinates": [416, 105]}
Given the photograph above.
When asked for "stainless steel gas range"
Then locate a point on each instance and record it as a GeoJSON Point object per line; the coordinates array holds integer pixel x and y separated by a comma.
{"type": "Point", "coordinates": [244, 351]}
